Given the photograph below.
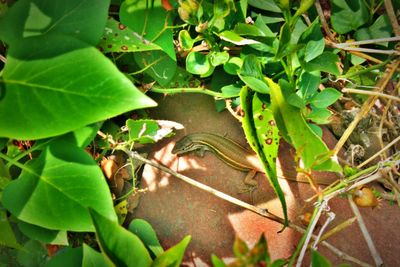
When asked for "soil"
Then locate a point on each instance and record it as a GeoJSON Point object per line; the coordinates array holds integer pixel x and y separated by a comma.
{"type": "Point", "coordinates": [176, 209]}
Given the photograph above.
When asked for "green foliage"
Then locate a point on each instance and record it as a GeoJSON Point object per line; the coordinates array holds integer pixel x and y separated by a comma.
{"type": "Point", "coordinates": [343, 10]}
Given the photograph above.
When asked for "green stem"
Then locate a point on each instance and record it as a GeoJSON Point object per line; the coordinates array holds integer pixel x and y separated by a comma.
{"type": "Point", "coordinates": [200, 90]}
{"type": "Point", "coordinates": [14, 160]}
{"type": "Point", "coordinates": [303, 238]}
{"type": "Point", "coordinates": [16, 163]}
{"type": "Point", "coordinates": [377, 66]}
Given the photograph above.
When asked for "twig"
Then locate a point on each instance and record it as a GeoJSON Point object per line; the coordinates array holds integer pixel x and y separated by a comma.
{"type": "Point", "coordinates": [369, 41]}
{"type": "Point", "coordinates": [379, 152]}
{"type": "Point", "coordinates": [392, 17]}
{"type": "Point", "coordinates": [3, 59]}
{"type": "Point", "coordinates": [367, 106]}
{"type": "Point", "coordinates": [364, 92]}
{"type": "Point", "coordinates": [200, 90]}
{"type": "Point", "coordinates": [374, 252]}
{"type": "Point", "coordinates": [262, 212]}
{"type": "Point", "coordinates": [323, 20]}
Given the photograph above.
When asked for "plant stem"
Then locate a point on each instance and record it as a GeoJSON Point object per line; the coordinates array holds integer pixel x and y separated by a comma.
{"type": "Point", "coordinates": [16, 163]}
{"type": "Point", "coordinates": [364, 92]}
{"type": "Point", "coordinates": [200, 90]}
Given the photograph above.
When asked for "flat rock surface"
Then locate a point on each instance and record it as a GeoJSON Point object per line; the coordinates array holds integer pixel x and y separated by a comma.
{"type": "Point", "coordinates": [176, 209]}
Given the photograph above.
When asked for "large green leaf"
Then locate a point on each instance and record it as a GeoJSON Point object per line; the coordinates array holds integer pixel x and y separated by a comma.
{"type": "Point", "coordinates": [146, 233]}
{"type": "Point", "coordinates": [54, 190]}
{"type": "Point", "coordinates": [47, 92]}
{"type": "Point", "coordinates": [82, 19]}
{"type": "Point", "coordinates": [43, 235]}
{"type": "Point", "coordinates": [261, 133]}
{"type": "Point", "coordinates": [348, 15]}
{"type": "Point", "coordinates": [173, 256]}
{"type": "Point", "coordinates": [66, 257]}
{"type": "Point", "coordinates": [380, 29]}
{"type": "Point", "coordinates": [92, 258]}
{"type": "Point", "coordinates": [122, 247]}
{"type": "Point", "coordinates": [7, 236]}
{"type": "Point", "coordinates": [149, 22]}
{"type": "Point", "coordinates": [311, 149]}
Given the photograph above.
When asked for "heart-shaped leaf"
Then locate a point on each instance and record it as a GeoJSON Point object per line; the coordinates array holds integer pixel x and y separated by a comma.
{"type": "Point", "coordinates": [54, 190]}
{"type": "Point", "coordinates": [48, 93]}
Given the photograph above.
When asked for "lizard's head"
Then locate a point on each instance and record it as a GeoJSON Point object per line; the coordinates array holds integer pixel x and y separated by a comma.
{"type": "Point", "coordinates": [183, 146]}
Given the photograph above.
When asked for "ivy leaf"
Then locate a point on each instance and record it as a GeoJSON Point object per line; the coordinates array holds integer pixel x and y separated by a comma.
{"type": "Point", "coordinates": [325, 98]}
{"type": "Point", "coordinates": [348, 15]}
{"type": "Point", "coordinates": [55, 189]}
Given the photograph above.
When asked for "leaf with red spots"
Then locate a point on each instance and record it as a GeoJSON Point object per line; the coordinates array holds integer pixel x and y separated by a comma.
{"type": "Point", "coordinates": [266, 130]}
{"type": "Point", "coordinates": [259, 127]}
{"type": "Point", "coordinates": [119, 38]}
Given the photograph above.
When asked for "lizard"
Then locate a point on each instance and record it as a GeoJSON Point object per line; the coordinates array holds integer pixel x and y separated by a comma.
{"type": "Point", "coordinates": [235, 155]}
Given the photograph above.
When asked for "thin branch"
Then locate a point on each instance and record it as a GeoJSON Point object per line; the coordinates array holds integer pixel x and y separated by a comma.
{"type": "Point", "coordinates": [392, 17]}
{"type": "Point", "coordinates": [364, 92]}
{"type": "Point", "coordinates": [369, 41]}
{"type": "Point", "coordinates": [367, 106]}
{"type": "Point", "coordinates": [379, 152]}
{"type": "Point", "coordinates": [200, 90]}
{"type": "Point", "coordinates": [374, 252]}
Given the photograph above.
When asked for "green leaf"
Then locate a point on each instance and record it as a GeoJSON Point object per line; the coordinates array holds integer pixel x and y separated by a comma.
{"type": "Point", "coordinates": [82, 136]}
{"type": "Point", "coordinates": [146, 233]}
{"type": "Point", "coordinates": [149, 22]}
{"type": "Point", "coordinates": [217, 262]}
{"type": "Point", "coordinates": [325, 98]}
{"type": "Point", "coordinates": [32, 254]}
{"type": "Point", "coordinates": [66, 257]}
{"type": "Point", "coordinates": [218, 58]}
{"type": "Point", "coordinates": [55, 189]}
{"type": "Point", "coordinates": [265, 5]}
{"type": "Point", "coordinates": [314, 41]}
{"type": "Point", "coordinates": [320, 115]}
{"type": "Point", "coordinates": [3, 143]}
{"type": "Point", "coordinates": [43, 235]}
{"type": "Point", "coordinates": [83, 20]}
{"type": "Point", "coordinates": [284, 41]}
{"type": "Point", "coordinates": [143, 131]}
{"type": "Point", "coordinates": [295, 129]}
{"type": "Point", "coordinates": [185, 40]}
{"type": "Point", "coordinates": [325, 62]}
{"type": "Point", "coordinates": [7, 236]}
{"type": "Point", "coordinates": [232, 90]}
{"type": "Point", "coordinates": [380, 29]}
{"type": "Point", "coordinates": [197, 63]}
{"type": "Point", "coordinates": [309, 83]}
{"type": "Point", "coordinates": [173, 256]}
{"type": "Point", "coordinates": [262, 136]}
{"type": "Point", "coordinates": [255, 84]}
{"type": "Point", "coordinates": [248, 30]}
{"type": "Point", "coordinates": [260, 24]}
{"type": "Point", "coordinates": [233, 65]}
{"type": "Point", "coordinates": [296, 101]}
{"type": "Point", "coordinates": [48, 92]}
{"type": "Point", "coordinates": [120, 38]}
{"type": "Point", "coordinates": [92, 258]}
{"type": "Point", "coordinates": [317, 260]}
{"type": "Point", "coordinates": [122, 247]}
{"type": "Point", "coordinates": [316, 129]}
{"type": "Point", "coordinates": [348, 15]}
{"type": "Point", "coordinates": [236, 39]}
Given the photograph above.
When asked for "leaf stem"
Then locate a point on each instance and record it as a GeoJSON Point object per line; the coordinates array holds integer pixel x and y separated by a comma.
{"type": "Point", "coordinates": [200, 90]}
{"type": "Point", "coordinates": [16, 163]}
